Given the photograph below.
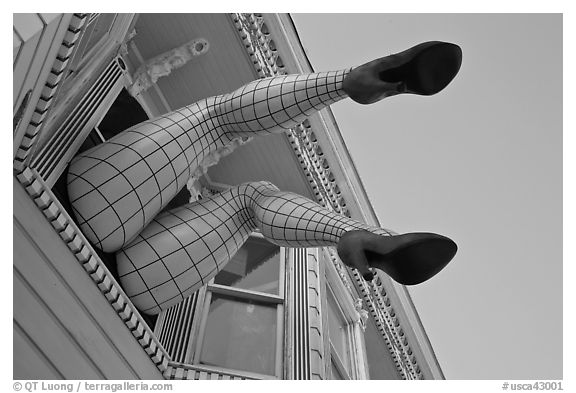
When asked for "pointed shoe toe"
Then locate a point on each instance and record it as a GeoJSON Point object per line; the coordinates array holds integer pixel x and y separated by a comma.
{"type": "Point", "coordinates": [424, 69]}
{"type": "Point", "coordinates": [409, 259]}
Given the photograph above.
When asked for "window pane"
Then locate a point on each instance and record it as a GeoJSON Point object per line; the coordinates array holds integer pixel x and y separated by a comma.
{"type": "Point", "coordinates": [338, 330]}
{"type": "Point", "coordinates": [256, 266]}
{"type": "Point", "coordinates": [92, 35]}
{"type": "Point", "coordinates": [99, 28]}
{"type": "Point", "coordinates": [240, 335]}
{"type": "Point", "coordinates": [380, 362]}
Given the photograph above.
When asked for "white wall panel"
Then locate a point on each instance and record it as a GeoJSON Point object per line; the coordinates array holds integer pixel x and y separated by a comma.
{"type": "Point", "coordinates": [28, 360]}
{"type": "Point", "coordinates": [68, 323]}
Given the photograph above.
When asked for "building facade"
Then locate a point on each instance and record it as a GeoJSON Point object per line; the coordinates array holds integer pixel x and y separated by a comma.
{"type": "Point", "coordinates": [272, 313]}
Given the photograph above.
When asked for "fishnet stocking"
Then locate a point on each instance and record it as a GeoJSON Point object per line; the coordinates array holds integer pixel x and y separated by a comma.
{"type": "Point", "coordinates": [182, 249]}
{"type": "Point", "coordinates": [118, 187]}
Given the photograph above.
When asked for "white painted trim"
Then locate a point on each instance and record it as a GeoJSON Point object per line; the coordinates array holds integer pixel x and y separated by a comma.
{"type": "Point", "coordinates": [344, 300]}
{"type": "Point", "coordinates": [341, 293]}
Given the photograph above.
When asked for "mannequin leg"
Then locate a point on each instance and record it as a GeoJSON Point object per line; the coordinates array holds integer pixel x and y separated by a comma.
{"type": "Point", "coordinates": [272, 105]}
{"type": "Point", "coordinates": [118, 187]}
{"type": "Point", "coordinates": [182, 249]}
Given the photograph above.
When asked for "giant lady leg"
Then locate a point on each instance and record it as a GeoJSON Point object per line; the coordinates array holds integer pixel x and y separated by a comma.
{"type": "Point", "coordinates": [182, 249]}
{"type": "Point", "coordinates": [118, 187]}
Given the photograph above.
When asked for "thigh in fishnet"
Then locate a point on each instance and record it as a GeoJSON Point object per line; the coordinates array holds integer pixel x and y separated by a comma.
{"type": "Point", "coordinates": [184, 248]}
{"type": "Point", "coordinates": [117, 187]}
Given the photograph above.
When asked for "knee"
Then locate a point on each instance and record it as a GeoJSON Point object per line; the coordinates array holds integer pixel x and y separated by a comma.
{"type": "Point", "coordinates": [257, 188]}
{"type": "Point", "coordinates": [260, 187]}
{"type": "Point", "coordinates": [255, 193]}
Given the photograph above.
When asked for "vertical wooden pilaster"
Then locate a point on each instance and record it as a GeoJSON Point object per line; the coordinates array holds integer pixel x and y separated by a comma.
{"type": "Point", "coordinates": [305, 346]}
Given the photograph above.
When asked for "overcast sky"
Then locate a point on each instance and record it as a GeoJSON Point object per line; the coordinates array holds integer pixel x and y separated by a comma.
{"type": "Point", "coordinates": [480, 162]}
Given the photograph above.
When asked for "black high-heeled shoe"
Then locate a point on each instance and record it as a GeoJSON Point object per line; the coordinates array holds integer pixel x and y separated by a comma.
{"type": "Point", "coordinates": [424, 69]}
{"type": "Point", "coordinates": [409, 259]}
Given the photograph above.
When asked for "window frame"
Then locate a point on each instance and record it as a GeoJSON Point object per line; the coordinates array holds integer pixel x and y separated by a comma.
{"type": "Point", "coordinates": [333, 285]}
{"type": "Point", "coordinates": [335, 356]}
{"type": "Point", "coordinates": [203, 309]}
{"type": "Point", "coordinates": [80, 60]}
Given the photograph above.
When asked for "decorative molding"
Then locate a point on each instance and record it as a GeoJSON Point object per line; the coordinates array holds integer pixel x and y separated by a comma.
{"type": "Point", "coordinates": [51, 86]}
{"type": "Point", "coordinates": [180, 371]}
{"type": "Point", "coordinates": [123, 48]}
{"type": "Point", "coordinates": [71, 235]}
{"type": "Point", "coordinates": [363, 314]}
{"type": "Point", "coordinates": [315, 336]}
{"type": "Point", "coordinates": [341, 269]}
{"type": "Point", "coordinates": [164, 106]}
{"type": "Point", "coordinates": [380, 308]}
{"type": "Point", "coordinates": [162, 65]}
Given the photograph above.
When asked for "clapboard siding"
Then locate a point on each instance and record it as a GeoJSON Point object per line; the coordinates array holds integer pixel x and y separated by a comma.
{"type": "Point", "coordinates": [62, 320]}
{"type": "Point", "coordinates": [47, 333]}
{"type": "Point", "coordinates": [29, 362]}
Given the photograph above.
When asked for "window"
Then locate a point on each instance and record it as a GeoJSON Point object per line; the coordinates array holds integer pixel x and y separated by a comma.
{"type": "Point", "coordinates": [96, 32]}
{"type": "Point", "coordinates": [344, 347]}
{"type": "Point", "coordinates": [243, 312]}
{"type": "Point", "coordinates": [339, 339]}
{"type": "Point", "coordinates": [380, 362]}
